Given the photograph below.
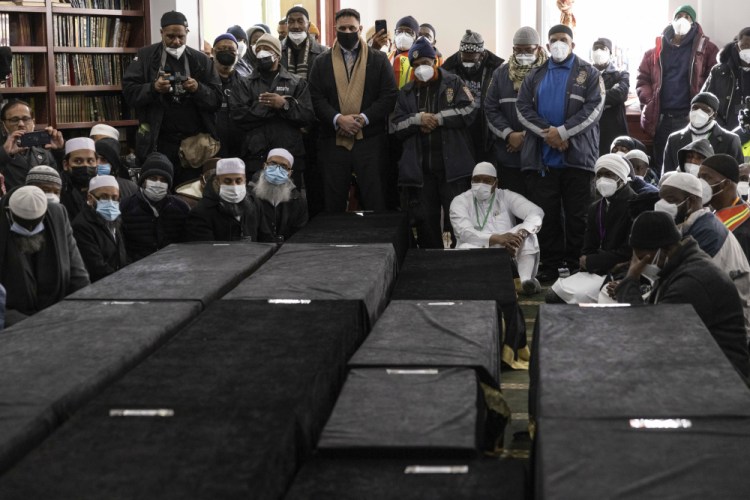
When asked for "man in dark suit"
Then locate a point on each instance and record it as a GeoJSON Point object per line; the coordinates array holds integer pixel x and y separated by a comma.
{"type": "Point", "coordinates": [353, 92]}
{"type": "Point", "coordinates": [703, 125]}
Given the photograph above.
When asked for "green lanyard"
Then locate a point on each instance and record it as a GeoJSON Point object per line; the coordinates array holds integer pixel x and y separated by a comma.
{"type": "Point", "coordinates": [486, 216]}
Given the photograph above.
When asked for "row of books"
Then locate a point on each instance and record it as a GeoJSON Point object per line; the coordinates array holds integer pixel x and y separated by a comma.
{"type": "Point", "coordinates": [16, 30]}
{"type": "Point", "coordinates": [90, 31]}
{"type": "Point", "coordinates": [91, 69]}
{"type": "Point", "coordinates": [81, 108]}
{"type": "Point", "coordinates": [22, 71]}
{"type": "Point", "coordinates": [100, 4]}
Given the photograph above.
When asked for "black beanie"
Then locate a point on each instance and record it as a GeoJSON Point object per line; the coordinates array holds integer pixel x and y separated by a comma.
{"type": "Point", "coordinates": [604, 41]}
{"type": "Point", "coordinates": [156, 164]}
{"type": "Point", "coordinates": [238, 33]}
{"type": "Point", "coordinates": [298, 9]}
{"type": "Point", "coordinates": [725, 165]}
{"type": "Point", "coordinates": [706, 98]}
{"type": "Point", "coordinates": [560, 28]}
{"type": "Point", "coordinates": [173, 17]}
{"type": "Point", "coordinates": [652, 230]}
{"type": "Point", "coordinates": [110, 149]}
{"type": "Point", "coordinates": [409, 22]}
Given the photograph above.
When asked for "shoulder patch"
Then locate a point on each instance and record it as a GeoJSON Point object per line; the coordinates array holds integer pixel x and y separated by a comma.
{"type": "Point", "coordinates": [449, 96]}
{"type": "Point", "coordinates": [582, 77]}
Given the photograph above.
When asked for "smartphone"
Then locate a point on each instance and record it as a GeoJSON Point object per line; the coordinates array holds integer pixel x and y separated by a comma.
{"type": "Point", "coordinates": [30, 139]}
{"type": "Point", "coordinates": [380, 24]}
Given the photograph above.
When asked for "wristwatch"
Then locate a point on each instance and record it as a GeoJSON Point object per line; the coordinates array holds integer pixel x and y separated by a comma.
{"type": "Point", "coordinates": [286, 105]}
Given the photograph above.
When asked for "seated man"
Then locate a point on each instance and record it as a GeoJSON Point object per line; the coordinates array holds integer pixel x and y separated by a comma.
{"type": "Point", "coordinates": [702, 126]}
{"type": "Point", "coordinates": [152, 218]}
{"type": "Point", "coordinates": [605, 242]}
{"type": "Point", "coordinates": [485, 216]}
{"type": "Point", "coordinates": [109, 163]}
{"type": "Point", "coordinates": [641, 166]}
{"type": "Point", "coordinates": [686, 275]}
{"type": "Point", "coordinates": [97, 229]}
{"type": "Point", "coordinates": [48, 180]}
{"type": "Point", "coordinates": [226, 212]}
{"type": "Point", "coordinates": [283, 210]}
{"type": "Point", "coordinates": [690, 157]}
{"type": "Point", "coordinates": [104, 131]}
{"type": "Point", "coordinates": [191, 192]}
{"type": "Point", "coordinates": [625, 145]}
{"type": "Point", "coordinates": [39, 259]}
{"type": "Point", "coordinates": [79, 167]}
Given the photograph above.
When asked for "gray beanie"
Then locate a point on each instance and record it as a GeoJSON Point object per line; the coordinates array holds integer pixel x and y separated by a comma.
{"type": "Point", "coordinates": [526, 36]}
{"type": "Point", "coordinates": [471, 42]}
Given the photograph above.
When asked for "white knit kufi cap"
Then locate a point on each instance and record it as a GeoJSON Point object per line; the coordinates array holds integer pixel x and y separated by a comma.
{"type": "Point", "coordinates": [636, 154]}
{"type": "Point", "coordinates": [615, 164]}
{"type": "Point", "coordinates": [28, 202]}
{"type": "Point", "coordinates": [283, 153]}
{"type": "Point", "coordinates": [484, 168]}
{"type": "Point", "coordinates": [230, 166]}
{"type": "Point", "coordinates": [684, 182]}
{"type": "Point", "coordinates": [104, 129]}
{"type": "Point", "coordinates": [79, 143]}
{"type": "Point", "coordinates": [100, 181]}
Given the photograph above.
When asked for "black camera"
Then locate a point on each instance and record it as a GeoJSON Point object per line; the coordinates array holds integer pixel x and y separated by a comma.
{"type": "Point", "coordinates": [30, 139]}
{"type": "Point", "coordinates": [176, 80]}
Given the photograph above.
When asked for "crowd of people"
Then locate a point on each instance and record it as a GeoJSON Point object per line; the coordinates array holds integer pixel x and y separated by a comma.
{"type": "Point", "coordinates": [249, 138]}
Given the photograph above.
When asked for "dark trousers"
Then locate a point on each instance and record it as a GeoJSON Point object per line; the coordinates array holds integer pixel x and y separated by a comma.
{"type": "Point", "coordinates": [366, 160]}
{"type": "Point", "coordinates": [564, 194]}
{"type": "Point", "coordinates": [668, 123]}
{"type": "Point", "coordinates": [435, 198]}
{"type": "Point", "coordinates": [511, 178]}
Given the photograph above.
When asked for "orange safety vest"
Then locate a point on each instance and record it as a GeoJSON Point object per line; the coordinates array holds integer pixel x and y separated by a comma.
{"type": "Point", "coordinates": [402, 69]}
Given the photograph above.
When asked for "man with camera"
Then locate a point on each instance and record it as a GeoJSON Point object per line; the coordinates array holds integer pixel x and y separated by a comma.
{"type": "Point", "coordinates": [24, 148]}
{"type": "Point", "coordinates": [176, 93]}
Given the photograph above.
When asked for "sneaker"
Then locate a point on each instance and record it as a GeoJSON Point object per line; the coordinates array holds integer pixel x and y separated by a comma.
{"type": "Point", "coordinates": [531, 287]}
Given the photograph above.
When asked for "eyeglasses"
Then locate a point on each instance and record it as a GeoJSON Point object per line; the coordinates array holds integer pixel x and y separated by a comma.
{"type": "Point", "coordinates": [18, 119]}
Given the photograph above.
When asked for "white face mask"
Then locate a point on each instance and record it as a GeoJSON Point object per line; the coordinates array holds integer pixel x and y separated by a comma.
{"type": "Point", "coordinates": [745, 55]}
{"type": "Point", "coordinates": [469, 64]}
{"type": "Point", "coordinates": [681, 26]}
{"type": "Point", "coordinates": [52, 198]}
{"type": "Point", "coordinates": [424, 73]}
{"type": "Point", "coordinates": [264, 53]}
{"type": "Point", "coordinates": [559, 51]}
{"type": "Point", "coordinates": [481, 191]}
{"type": "Point", "coordinates": [19, 229]}
{"type": "Point", "coordinates": [651, 272]}
{"type": "Point", "coordinates": [232, 194]}
{"type": "Point", "coordinates": [404, 41]}
{"type": "Point", "coordinates": [666, 207]}
{"type": "Point", "coordinates": [692, 168]}
{"type": "Point", "coordinates": [155, 190]}
{"type": "Point", "coordinates": [601, 57]}
{"type": "Point", "coordinates": [241, 49]}
{"type": "Point", "coordinates": [297, 37]}
{"type": "Point", "coordinates": [525, 59]}
{"type": "Point", "coordinates": [606, 187]}
{"type": "Point", "coordinates": [743, 188]}
{"type": "Point", "coordinates": [708, 194]}
{"type": "Point", "coordinates": [176, 53]}
{"type": "Point", "coordinates": [699, 118]}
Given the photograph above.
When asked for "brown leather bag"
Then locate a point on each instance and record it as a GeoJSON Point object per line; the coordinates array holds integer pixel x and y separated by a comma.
{"type": "Point", "coordinates": [196, 149]}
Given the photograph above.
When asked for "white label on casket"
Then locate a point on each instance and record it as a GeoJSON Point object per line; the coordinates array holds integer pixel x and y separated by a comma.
{"type": "Point", "coordinates": [441, 303]}
{"type": "Point", "coordinates": [289, 301]}
{"type": "Point", "coordinates": [603, 305]}
{"type": "Point", "coordinates": [655, 423]}
{"type": "Point", "coordinates": [156, 412]}
{"type": "Point", "coordinates": [221, 244]}
{"type": "Point", "coordinates": [430, 371]}
{"type": "Point", "coordinates": [344, 246]}
{"type": "Point", "coordinates": [122, 303]}
{"type": "Point", "coordinates": [437, 469]}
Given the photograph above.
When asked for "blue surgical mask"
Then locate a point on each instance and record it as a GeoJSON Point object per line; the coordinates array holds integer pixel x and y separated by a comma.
{"type": "Point", "coordinates": [108, 209]}
{"type": "Point", "coordinates": [104, 169]}
{"type": "Point", "coordinates": [19, 229]}
{"type": "Point", "coordinates": [276, 174]}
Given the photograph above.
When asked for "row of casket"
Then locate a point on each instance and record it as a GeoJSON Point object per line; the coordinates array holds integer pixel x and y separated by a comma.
{"type": "Point", "coordinates": [636, 402]}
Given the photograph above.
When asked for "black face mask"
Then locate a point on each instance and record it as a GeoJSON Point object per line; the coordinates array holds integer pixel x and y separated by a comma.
{"type": "Point", "coordinates": [265, 63]}
{"type": "Point", "coordinates": [347, 40]}
{"type": "Point", "coordinates": [82, 175]}
{"type": "Point", "coordinates": [226, 58]}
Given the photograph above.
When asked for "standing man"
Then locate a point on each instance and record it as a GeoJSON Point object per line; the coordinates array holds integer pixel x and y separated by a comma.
{"type": "Point", "coordinates": [475, 65]}
{"type": "Point", "coordinates": [405, 34]}
{"type": "Point", "coordinates": [299, 50]}
{"type": "Point", "coordinates": [670, 75]}
{"type": "Point", "coordinates": [176, 92]}
{"type": "Point", "coordinates": [225, 53]}
{"type": "Point", "coordinates": [241, 66]}
{"type": "Point", "coordinates": [560, 104]}
{"type": "Point", "coordinates": [617, 84]}
{"type": "Point", "coordinates": [353, 92]}
{"type": "Point", "coordinates": [500, 107]}
{"type": "Point", "coordinates": [283, 29]}
{"type": "Point", "coordinates": [730, 80]}
{"type": "Point", "coordinates": [428, 31]}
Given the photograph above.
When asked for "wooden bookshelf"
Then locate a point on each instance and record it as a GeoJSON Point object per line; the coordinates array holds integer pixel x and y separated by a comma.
{"type": "Point", "coordinates": [40, 28]}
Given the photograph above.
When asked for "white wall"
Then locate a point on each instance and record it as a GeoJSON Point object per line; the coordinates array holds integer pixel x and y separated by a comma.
{"type": "Point", "coordinates": [187, 7]}
{"type": "Point", "coordinates": [721, 19]}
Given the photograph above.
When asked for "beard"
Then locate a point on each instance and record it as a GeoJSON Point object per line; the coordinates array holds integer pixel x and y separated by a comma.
{"type": "Point", "coordinates": [273, 193]}
{"type": "Point", "coordinates": [29, 245]}
{"type": "Point", "coordinates": [113, 225]}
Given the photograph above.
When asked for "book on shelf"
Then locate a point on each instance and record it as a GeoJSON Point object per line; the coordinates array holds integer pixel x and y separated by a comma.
{"type": "Point", "coordinates": [4, 29]}
{"type": "Point", "coordinates": [90, 69]}
{"type": "Point", "coordinates": [90, 31]}
{"type": "Point", "coordinates": [82, 108]}
{"type": "Point", "coordinates": [101, 4]}
{"type": "Point", "coordinates": [22, 71]}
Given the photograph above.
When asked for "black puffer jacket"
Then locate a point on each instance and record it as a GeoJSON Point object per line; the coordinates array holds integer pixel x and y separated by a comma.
{"type": "Point", "coordinates": [212, 219]}
{"type": "Point", "coordinates": [145, 231]}
{"type": "Point", "coordinates": [605, 242]}
{"type": "Point", "coordinates": [101, 252]}
{"type": "Point", "coordinates": [729, 83]}
{"type": "Point", "coordinates": [691, 277]}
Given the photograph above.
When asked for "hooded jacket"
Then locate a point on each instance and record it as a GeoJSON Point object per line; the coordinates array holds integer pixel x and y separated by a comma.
{"type": "Point", "coordinates": [649, 82]}
{"type": "Point", "coordinates": [613, 122]}
{"type": "Point", "coordinates": [701, 146]}
{"type": "Point", "coordinates": [727, 81]}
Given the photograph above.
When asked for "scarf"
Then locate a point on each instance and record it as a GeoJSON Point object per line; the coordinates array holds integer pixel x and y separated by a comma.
{"type": "Point", "coordinates": [517, 72]}
{"type": "Point", "coordinates": [734, 216]}
{"type": "Point", "coordinates": [300, 69]}
{"type": "Point", "coordinates": [350, 89]}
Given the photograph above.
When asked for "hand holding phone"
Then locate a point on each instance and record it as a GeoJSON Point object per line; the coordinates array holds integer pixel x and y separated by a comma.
{"type": "Point", "coordinates": [30, 139]}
